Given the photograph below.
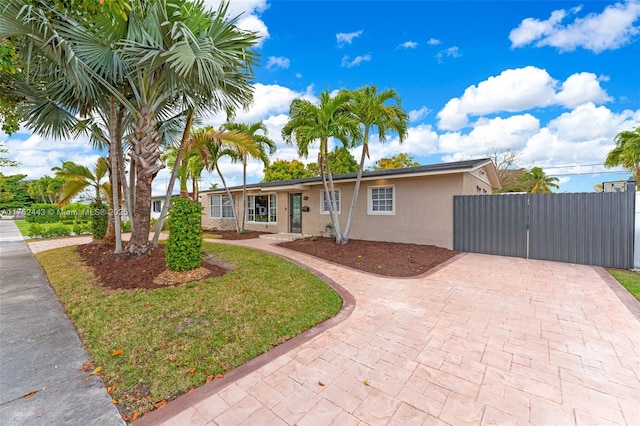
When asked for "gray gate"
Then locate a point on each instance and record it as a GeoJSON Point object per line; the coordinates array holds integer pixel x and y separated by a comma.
{"type": "Point", "coordinates": [587, 228]}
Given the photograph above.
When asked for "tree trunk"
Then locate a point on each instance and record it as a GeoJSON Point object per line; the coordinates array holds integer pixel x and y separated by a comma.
{"type": "Point", "coordinates": [325, 172]}
{"type": "Point", "coordinates": [244, 192]}
{"type": "Point", "coordinates": [233, 205]}
{"type": "Point", "coordinates": [146, 153]}
{"type": "Point", "coordinates": [115, 187]}
{"type": "Point", "coordinates": [356, 189]}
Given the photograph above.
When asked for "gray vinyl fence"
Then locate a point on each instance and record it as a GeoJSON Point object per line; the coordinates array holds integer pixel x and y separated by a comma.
{"type": "Point", "coordinates": [587, 228]}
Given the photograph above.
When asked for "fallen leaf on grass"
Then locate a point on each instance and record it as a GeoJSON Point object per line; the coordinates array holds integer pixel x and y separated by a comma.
{"type": "Point", "coordinates": [192, 371]}
{"type": "Point", "coordinates": [134, 415]}
{"type": "Point", "coordinates": [97, 370]}
{"type": "Point", "coordinates": [219, 376]}
{"type": "Point", "coordinates": [113, 401]}
{"type": "Point", "coordinates": [86, 367]}
{"type": "Point", "coordinates": [163, 346]}
{"type": "Point", "coordinates": [117, 352]}
{"type": "Point", "coordinates": [161, 404]}
{"type": "Point", "coordinates": [29, 395]}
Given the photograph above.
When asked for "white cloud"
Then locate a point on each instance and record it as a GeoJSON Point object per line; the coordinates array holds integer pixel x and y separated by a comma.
{"type": "Point", "coordinates": [298, 75]}
{"type": "Point", "coordinates": [433, 42]}
{"type": "Point", "coordinates": [609, 30]}
{"type": "Point", "coordinates": [452, 52]}
{"type": "Point", "coordinates": [348, 63]}
{"type": "Point", "coordinates": [418, 114]}
{"type": "Point", "coordinates": [277, 61]}
{"type": "Point", "coordinates": [347, 38]}
{"type": "Point", "coordinates": [421, 140]}
{"type": "Point", "coordinates": [408, 45]}
{"type": "Point", "coordinates": [268, 99]}
{"type": "Point", "coordinates": [517, 90]}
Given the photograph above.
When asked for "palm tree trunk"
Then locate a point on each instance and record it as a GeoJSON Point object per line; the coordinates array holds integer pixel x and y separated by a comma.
{"type": "Point", "coordinates": [233, 206]}
{"type": "Point", "coordinates": [115, 187]}
{"type": "Point", "coordinates": [356, 189]}
{"type": "Point", "coordinates": [329, 191]}
{"type": "Point", "coordinates": [146, 153]}
{"type": "Point", "coordinates": [244, 192]}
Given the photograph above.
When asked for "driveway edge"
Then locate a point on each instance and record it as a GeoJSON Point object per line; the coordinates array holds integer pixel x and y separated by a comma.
{"type": "Point", "coordinates": [625, 297]}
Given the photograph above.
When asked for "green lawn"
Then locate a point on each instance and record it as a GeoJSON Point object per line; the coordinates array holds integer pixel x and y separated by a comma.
{"type": "Point", "coordinates": [176, 338]}
{"type": "Point", "coordinates": [629, 280]}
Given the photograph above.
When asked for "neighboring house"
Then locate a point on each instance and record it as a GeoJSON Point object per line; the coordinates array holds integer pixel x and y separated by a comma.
{"type": "Point", "coordinates": [156, 206]}
{"type": "Point", "coordinates": [410, 205]}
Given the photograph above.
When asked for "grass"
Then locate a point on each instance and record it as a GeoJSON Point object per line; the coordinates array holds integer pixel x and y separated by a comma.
{"type": "Point", "coordinates": [629, 280]}
{"type": "Point", "coordinates": [177, 338]}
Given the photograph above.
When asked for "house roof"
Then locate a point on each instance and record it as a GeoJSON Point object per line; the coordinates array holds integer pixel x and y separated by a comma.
{"type": "Point", "coordinates": [429, 169]}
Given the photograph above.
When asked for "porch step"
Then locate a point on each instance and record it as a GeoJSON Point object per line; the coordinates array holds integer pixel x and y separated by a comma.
{"type": "Point", "coordinates": [283, 236]}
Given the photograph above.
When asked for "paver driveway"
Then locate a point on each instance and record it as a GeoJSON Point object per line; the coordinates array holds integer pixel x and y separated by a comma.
{"type": "Point", "coordinates": [485, 340]}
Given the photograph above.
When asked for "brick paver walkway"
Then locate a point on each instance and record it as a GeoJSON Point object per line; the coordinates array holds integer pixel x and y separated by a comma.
{"type": "Point", "coordinates": [485, 340]}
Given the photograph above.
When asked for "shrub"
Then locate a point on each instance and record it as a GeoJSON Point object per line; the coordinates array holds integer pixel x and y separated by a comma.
{"type": "Point", "coordinates": [99, 220]}
{"type": "Point", "coordinates": [42, 213]}
{"type": "Point", "coordinates": [76, 212]}
{"type": "Point", "coordinates": [58, 230]}
{"type": "Point", "coordinates": [125, 225]}
{"type": "Point", "coordinates": [185, 235]}
{"type": "Point", "coordinates": [35, 231]}
{"type": "Point", "coordinates": [81, 228]}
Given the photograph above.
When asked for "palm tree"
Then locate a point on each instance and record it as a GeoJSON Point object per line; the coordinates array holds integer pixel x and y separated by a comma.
{"type": "Point", "coordinates": [262, 142]}
{"type": "Point", "coordinates": [537, 182]}
{"type": "Point", "coordinates": [78, 178]}
{"type": "Point", "coordinates": [309, 123]}
{"type": "Point", "coordinates": [371, 110]}
{"type": "Point", "coordinates": [214, 145]}
{"type": "Point", "coordinates": [160, 58]}
{"type": "Point", "coordinates": [627, 151]}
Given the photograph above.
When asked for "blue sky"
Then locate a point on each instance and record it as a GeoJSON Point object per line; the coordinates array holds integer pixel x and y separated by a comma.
{"type": "Point", "coordinates": [555, 81]}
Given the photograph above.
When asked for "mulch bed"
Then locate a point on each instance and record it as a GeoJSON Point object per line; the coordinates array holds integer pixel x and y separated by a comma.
{"type": "Point", "coordinates": [233, 235]}
{"type": "Point", "coordinates": [381, 258]}
{"type": "Point", "coordinates": [119, 272]}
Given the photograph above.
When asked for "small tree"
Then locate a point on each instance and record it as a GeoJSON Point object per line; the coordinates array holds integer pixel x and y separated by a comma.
{"type": "Point", "coordinates": [286, 170]}
{"type": "Point", "coordinates": [399, 161]}
{"type": "Point", "coordinates": [627, 151]}
{"type": "Point", "coordinates": [185, 235]}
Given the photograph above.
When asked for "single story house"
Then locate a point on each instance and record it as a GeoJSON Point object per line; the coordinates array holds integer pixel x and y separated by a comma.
{"type": "Point", "coordinates": [410, 205]}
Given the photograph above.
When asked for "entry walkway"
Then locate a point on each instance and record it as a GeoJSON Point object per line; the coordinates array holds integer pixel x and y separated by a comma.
{"type": "Point", "coordinates": [484, 340]}
{"type": "Point", "coordinates": [40, 352]}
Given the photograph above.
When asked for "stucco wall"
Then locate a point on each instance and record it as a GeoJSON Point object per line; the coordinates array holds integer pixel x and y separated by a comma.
{"type": "Point", "coordinates": [423, 209]}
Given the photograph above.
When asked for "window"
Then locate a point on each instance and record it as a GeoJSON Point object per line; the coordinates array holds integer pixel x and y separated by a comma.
{"type": "Point", "coordinates": [382, 200]}
{"type": "Point", "coordinates": [324, 204]}
{"type": "Point", "coordinates": [262, 208]}
{"type": "Point", "coordinates": [157, 206]}
{"type": "Point", "coordinates": [221, 206]}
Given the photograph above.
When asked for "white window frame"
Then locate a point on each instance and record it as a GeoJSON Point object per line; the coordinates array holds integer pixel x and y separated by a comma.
{"type": "Point", "coordinates": [322, 202]}
{"type": "Point", "coordinates": [370, 210]}
{"type": "Point", "coordinates": [221, 198]}
{"type": "Point", "coordinates": [153, 206]}
{"type": "Point", "coordinates": [272, 208]}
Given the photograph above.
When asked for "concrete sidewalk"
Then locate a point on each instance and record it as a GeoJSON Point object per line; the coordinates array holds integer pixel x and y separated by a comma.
{"type": "Point", "coordinates": [40, 351]}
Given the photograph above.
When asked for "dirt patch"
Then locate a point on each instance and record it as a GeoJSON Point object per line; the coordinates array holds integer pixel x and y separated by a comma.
{"type": "Point", "coordinates": [233, 235]}
{"type": "Point", "coordinates": [148, 272]}
{"type": "Point", "coordinates": [378, 257]}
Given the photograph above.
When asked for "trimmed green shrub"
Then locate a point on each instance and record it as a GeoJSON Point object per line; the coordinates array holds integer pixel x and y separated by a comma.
{"type": "Point", "coordinates": [76, 212]}
{"type": "Point", "coordinates": [42, 213]}
{"type": "Point", "coordinates": [58, 230]}
{"type": "Point", "coordinates": [125, 225]}
{"type": "Point", "coordinates": [81, 228]}
{"type": "Point", "coordinates": [185, 235]}
{"type": "Point", "coordinates": [35, 231]}
{"type": "Point", "coordinates": [99, 220]}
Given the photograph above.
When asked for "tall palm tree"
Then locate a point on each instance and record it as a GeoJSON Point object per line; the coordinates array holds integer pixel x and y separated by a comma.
{"type": "Point", "coordinates": [537, 182]}
{"type": "Point", "coordinates": [159, 58]}
{"type": "Point", "coordinates": [372, 111]}
{"type": "Point", "coordinates": [214, 145]}
{"type": "Point", "coordinates": [78, 178]}
{"type": "Point", "coordinates": [627, 151]}
{"type": "Point", "coordinates": [264, 145]}
{"type": "Point", "coordinates": [309, 123]}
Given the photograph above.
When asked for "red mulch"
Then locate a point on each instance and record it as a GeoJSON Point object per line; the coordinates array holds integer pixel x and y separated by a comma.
{"type": "Point", "coordinates": [378, 257]}
{"type": "Point", "coordinates": [233, 235]}
{"type": "Point", "coordinates": [119, 272]}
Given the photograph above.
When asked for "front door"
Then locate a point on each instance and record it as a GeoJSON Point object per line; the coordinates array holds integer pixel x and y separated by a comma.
{"type": "Point", "coordinates": [295, 213]}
